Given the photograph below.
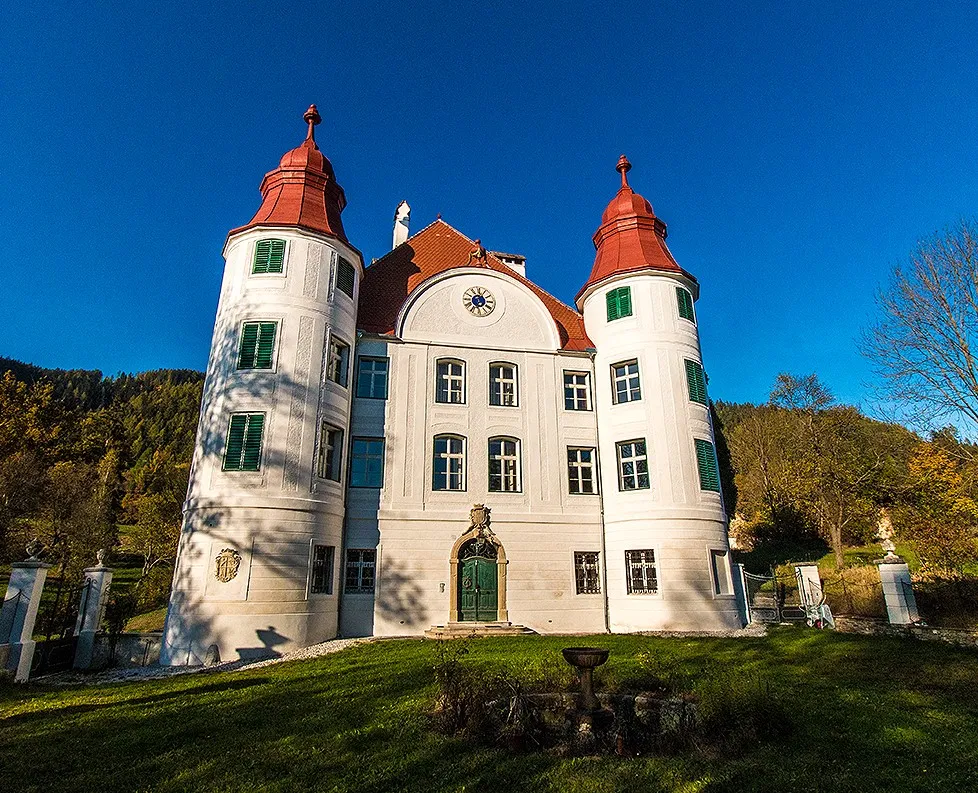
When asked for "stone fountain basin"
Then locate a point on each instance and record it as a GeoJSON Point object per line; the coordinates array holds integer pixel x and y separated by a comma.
{"type": "Point", "coordinates": [585, 657]}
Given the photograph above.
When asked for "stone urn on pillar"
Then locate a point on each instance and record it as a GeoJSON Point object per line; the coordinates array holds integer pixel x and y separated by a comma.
{"type": "Point", "coordinates": [585, 660]}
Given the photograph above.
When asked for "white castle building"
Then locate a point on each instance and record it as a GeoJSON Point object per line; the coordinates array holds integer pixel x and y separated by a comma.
{"type": "Point", "coordinates": [434, 440]}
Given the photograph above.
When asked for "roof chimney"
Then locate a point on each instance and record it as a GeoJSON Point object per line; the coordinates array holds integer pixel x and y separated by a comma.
{"type": "Point", "coordinates": [402, 217]}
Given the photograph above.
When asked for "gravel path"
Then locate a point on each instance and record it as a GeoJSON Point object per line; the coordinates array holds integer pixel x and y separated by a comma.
{"type": "Point", "coordinates": [160, 672]}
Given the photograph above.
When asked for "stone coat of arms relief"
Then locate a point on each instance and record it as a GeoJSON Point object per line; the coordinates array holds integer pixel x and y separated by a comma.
{"type": "Point", "coordinates": [226, 565]}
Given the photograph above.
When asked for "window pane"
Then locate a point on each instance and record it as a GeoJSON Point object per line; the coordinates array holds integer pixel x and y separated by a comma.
{"type": "Point", "coordinates": [372, 378]}
{"type": "Point", "coordinates": [367, 463]}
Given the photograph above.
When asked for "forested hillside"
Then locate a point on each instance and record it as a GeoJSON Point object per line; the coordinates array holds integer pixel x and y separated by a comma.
{"type": "Point", "coordinates": [82, 453]}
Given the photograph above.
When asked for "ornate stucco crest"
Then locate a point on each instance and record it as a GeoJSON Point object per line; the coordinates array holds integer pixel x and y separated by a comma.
{"type": "Point", "coordinates": [479, 517]}
{"type": "Point", "coordinates": [226, 565]}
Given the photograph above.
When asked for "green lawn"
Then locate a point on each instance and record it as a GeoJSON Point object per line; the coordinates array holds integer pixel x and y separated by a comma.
{"type": "Point", "coordinates": [868, 714]}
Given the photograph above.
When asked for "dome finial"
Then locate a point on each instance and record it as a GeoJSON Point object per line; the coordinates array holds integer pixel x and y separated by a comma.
{"type": "Point", "coordinates": [623, 167]}
{"type": "Point", "coordinates": [312, 118]}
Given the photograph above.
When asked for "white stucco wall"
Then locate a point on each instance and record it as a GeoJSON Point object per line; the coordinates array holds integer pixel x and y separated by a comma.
{"type": "Point", "coordinates": [270, 517]}
{"type": "Point", "coordinates": [674, 517]}
{"type": "Point", "coordinates": [415, 526]}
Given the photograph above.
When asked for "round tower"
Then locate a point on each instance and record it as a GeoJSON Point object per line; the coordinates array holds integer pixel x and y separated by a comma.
{"type": "Point", "coordinates": [259, 554]}
{"type": "Point", "coordinates": [666, 548]}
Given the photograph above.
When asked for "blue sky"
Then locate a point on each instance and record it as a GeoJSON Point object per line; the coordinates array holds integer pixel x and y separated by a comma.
{"type": "Point", "coordinates": [796, 150]}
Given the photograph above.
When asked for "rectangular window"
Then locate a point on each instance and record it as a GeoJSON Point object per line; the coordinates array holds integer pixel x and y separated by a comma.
{"type": "Point", "coordinates": [244, 442]}
{"type": "Point", "coordinates": [269, 256]}
{"type": "Point", "coordinates": [449, 463]}
{"type": "Point", "coordinates": [367, 462]}
{"type": "Point", "coordinates": [633, 466]}
{"type": "Point", "coordinates": [587, 573]}
{"type": "Point", "coordinates": [330, 452]}
{"type": "Point", "coordinates": [321, 580]}
{"type": "Point", "coordinates": [360, 568]}
{"type": "Point", "coordinates": [337, 361]}
{"type": "Point", "coordinates": [640, 572]}
{"type": "Point", "coordinates": [580, 470]}
{"type": "Point", "coordinates": [619, 303]}
{"type": "Point", "coordinates": [624, 377]}
{"type": "Point", "coordinates": [346, 277]}
{"type": "Point", "coordinates": [706, 461]}
{"type": "Point", "coordinates": [504, 465]}
{"type": "Point", "coordinates": [685, 300]}
{"type": "Point", "coordinates": [257, 345]}
{"type": "Point", "coordinates": [577, 391]}
{"type": "Point", "coordinates": [372, 378]}
{"type": "Point", "coordinates": [696, 382]}
{"type": "Point", "coordinates": [502, 384]}
{"type": "Point", "coordinates": [450, 386]}
{"type": "Point", "coordinates": [719, 566]}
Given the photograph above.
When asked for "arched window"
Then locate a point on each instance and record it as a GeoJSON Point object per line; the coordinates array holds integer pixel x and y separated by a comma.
{"type": "Point", "coordinates": [503, 384]}
{"type": "Point", "coordinates": [450, 381]}
{"type": "Point", "coordinates": [448, 468]}
{"type": "Point", "coordinates": [504, 465]}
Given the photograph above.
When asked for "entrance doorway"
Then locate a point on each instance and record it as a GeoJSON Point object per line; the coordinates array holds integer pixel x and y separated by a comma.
{"type": "Point", "coordinates": [478, 581]}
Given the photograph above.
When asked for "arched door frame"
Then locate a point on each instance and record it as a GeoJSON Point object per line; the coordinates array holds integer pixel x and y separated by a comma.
{"type": "Point", "coordinates": [502, 613]}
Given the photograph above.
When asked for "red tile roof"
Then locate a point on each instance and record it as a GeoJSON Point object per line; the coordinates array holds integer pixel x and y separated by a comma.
{"type": "Point", "coordinates": [302, 191]}
{"type": "Point", "coordinates": [630, 236]}
{"type": "Point", "coordinates": [389, 281]}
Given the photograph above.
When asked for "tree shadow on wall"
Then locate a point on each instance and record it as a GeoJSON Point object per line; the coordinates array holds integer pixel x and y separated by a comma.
{"type": "Point", "coordinates": [399, 598]}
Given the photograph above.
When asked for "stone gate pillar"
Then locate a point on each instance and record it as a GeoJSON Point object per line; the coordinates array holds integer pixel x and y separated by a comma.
{"type": "Point", "coordinates": [19, 612]}
{"type": "Point", "coordinates": [901, 605]}
{"type": "Point", "coordinates": [91, 607]}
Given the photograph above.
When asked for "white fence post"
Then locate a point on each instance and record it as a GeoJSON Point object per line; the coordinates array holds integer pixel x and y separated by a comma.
{"type": "Point", "coordinates": [91, 608]}
{"type": "Point", "coordinates": [901, 605]}
{"type": "Point", "coordinates": [19, 613]}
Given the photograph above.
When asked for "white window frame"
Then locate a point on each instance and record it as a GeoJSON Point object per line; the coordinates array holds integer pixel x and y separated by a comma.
{"type": "Point", "coordinates": [455, 452]}
{"type": "Point", "coordinates": [579, 384]}
{"type": "Point", "coordinates": [507, 459]}
{"type": "Point", "coordinates": [576, 467]}
{"type": "Point", "coordinates": [638, 559]}
{"type": "Point", "coordinates": [331, 569]}
{"type": "Point", "coordinates": [504, 390]}
{"type": "Point", "coordinates": [373, 376]}
{"type": "Point", "coordinates": [636, 459]}
{"type": "Point", "coordinates": [583, 564]}
{"type": "Point", "coordinates": [453, 381]}
{"type": "Point", "coordinates": [326, 469]}
{"type": "Point", "coordinates": [359, 564]}
{"type": "Point", "coordinates": [368, 456]}
{"type": "Point", "coordinates": [337, 360]}
{"type": "Point", "coordinates": [630, 380]}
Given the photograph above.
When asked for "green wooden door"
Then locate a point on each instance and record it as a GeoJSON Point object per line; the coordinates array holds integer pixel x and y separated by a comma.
{"type": "Point", "coordinates": [478, 590]}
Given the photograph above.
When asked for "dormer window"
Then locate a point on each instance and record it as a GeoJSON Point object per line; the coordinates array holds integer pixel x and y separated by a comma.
{"type": "Point", "coordinates": [269, 257]}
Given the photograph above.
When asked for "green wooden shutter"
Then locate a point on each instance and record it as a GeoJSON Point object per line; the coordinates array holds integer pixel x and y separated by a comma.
{"type": "Point", "coordinates": [266, 345]}
{"type": "Point", "coordinates": [269, 256]}
{"type": "Point", "coordinates": [685, 300]}
{"type": "Point", "coordinates": [696, 382]}
{"type": "Point", "coordinates": [252, 442]}
{"type": "Point", "coordinates": [249, 343]}
{"type": "Point", "coordinates": [276, 255]}
{"type": "Point", "coordinates": [706, 460]}
{"type": "Point", "coordinates": [625, 301]}
{"type": "Point", "coordinates": [236, 434]}
{"type": "Point", "coordinates": [345, 277]}
{"type": "Point", "coordinates": [619, 302]}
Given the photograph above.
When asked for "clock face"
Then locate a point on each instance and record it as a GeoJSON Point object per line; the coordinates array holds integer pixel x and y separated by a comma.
{"type": "Point", "coordinates": [479, 301]}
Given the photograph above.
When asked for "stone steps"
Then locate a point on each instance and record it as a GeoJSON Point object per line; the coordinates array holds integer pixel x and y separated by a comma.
{"type": "Point", "coordinates": [465, 630]}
